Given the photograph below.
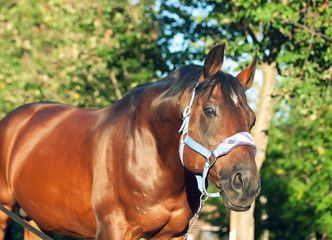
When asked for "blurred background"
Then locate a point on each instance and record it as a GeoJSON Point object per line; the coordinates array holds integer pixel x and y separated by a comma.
{"type": "Point", "coordinates": [91, 53]}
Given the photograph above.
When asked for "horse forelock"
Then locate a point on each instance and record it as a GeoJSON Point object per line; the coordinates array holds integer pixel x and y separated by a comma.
{"type": "Point", "coordinates": [231, 88]}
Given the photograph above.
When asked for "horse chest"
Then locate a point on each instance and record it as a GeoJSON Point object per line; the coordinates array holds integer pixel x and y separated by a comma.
{"type": "Point", "coordinates": [164, 220]}
{"type": "Point", "coordinates": [156, 212]}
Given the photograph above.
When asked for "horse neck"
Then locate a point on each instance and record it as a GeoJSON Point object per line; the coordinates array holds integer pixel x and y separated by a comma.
{"type": "Point", "coordinates": [165, 120]}
{"type": "Point", "coordinates": [152, 119]}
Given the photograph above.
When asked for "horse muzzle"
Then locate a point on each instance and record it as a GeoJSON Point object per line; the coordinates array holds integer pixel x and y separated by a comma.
{"type": "Point", "coordinates": [240, 190]}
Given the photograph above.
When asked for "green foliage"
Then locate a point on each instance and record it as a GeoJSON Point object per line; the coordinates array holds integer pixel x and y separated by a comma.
{"type": "Point", "coordinates": [298, 172]}
{"type": "Point", "coordinates": [246, 26]}
{"type": "Point", "coordinates": [299, 154]}
{"type": "Point", "coordinates": [75, 52]}
{"type": "Point", "coordinates": [301, 148]}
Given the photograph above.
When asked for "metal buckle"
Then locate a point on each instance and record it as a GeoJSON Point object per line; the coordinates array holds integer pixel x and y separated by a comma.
{"type": "Point", "coordinates": [186, 112]}
{"type": "Point", "coordinates": [214, 159]}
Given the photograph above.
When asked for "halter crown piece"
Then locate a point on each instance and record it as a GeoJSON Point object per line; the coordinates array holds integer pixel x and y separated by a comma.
{"type": "Point", "coordinates": [227, 145]}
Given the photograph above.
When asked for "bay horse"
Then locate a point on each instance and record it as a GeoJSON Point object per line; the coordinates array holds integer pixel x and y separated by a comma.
{"type": "Point", "coordinates": [116, 173]}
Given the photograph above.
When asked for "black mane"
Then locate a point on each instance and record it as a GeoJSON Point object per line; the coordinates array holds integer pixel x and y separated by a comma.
{"type": "Point", "coordinates": [187, 76]}
{"type": "Point", "coordinates": [183, 78]}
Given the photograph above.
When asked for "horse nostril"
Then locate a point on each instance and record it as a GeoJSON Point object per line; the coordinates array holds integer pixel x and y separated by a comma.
{"type": "Point", "coordinates": [237, 181]}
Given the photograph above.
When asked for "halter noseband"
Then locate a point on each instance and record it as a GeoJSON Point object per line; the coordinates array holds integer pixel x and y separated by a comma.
{"type": "Point", "coordinates": [227, 145]}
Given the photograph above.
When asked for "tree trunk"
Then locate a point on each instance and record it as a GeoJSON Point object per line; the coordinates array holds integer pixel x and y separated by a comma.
{"type": "Point", "coordinates": [242, 225]}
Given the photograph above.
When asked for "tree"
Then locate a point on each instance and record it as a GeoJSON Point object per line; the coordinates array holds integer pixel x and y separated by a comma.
{"type": "Point", "coordinates": [83, 53]}
{"type": "Point", "coordinates": [290, 36]}
{"type": "Point", "coordinates": [298, 157]}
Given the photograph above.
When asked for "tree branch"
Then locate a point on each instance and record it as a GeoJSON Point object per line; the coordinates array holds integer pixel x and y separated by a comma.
{"type": "Point", "coordinates": [115, 84]}
{"type": "Point", "coordinates": [309, 49]}
{"type": "Point", "coordinates": [312, 31]}
{"type": "Point", "coordinates": [252, 34]}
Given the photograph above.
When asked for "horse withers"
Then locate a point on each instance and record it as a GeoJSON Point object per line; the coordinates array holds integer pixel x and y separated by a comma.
{"type": "Point", "coordinates": [116, 173]}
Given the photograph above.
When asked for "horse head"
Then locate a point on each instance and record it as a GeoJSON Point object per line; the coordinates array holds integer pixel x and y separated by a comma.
{"type": "Point", "coordinates": [219, 115]}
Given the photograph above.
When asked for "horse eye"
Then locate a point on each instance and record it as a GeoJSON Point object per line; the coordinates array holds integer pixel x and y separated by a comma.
{"type": "Point", "coordinates": [209, 111]}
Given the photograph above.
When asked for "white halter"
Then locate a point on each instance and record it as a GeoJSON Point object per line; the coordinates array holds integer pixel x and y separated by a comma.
{"type": "Point", "coordinates": [227, 145]}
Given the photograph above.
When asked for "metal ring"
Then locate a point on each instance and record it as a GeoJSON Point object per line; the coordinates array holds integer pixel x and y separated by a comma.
{"type": "Point", "coordinates": [214, 159]}
{"type": "Point", "coordinates": [186, 112]}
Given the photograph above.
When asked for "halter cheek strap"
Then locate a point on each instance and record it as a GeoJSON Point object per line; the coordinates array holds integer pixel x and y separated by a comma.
{"type": "Point", "coordinates": [227, 145]}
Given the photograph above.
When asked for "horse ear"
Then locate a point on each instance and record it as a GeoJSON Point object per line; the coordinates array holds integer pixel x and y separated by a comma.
{"type": "Point", "coordinates": [213, 61]}
{"type": "Point", "coordinates": [246, 77]}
